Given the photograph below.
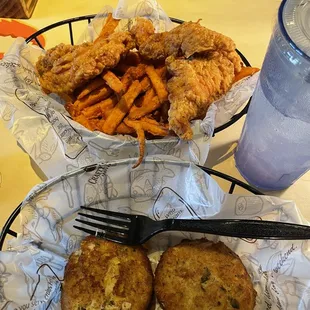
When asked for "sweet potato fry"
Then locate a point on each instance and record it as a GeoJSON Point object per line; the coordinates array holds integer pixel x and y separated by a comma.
{"type": "Point", "coordinates": [141, 139]}
{"type": "Point", "coordinates": [96, 124]}
{"type": "Point", "coordinates": [108, 27]}
{"type": "Point", "coordinates": [93, 111]}
{"type": "Point", "coordinates": [98, 109]}
{"type": "Point", "coordinates": [145, 83]}
{"type": "Point", "coordinates": [121, 108]}
{"type": "Point", "coordinates": [113, 82]}
{"type": "Point", "coordinates": [108, 111]}
{"type": "Point", "coordinates": [81, 119]}
{"type": "Point", "coordinates": [93, 97]}
{"type": "Point", "coordinates": [71, 108]}
{"type": "Point", "coordinates": [153, 127]}
{"type": "Point", "coordinates": [137, 72]}
{"type": "Point", "coordinates": [123, 129]}
{"type": "Point", "coordinates": [94, 84]}
{"type": "Point", "coordinates": [67, 98]}
{"type": "Point", "coordinates": [133, 73]}
{"type": "Point", "coordinates": [149, 104]}
{"type": "Point", "coordinates": [157, 83]}
{"type": "Point", "coordinates": [161, 71]}
{"type": "Point", "coordinates": [245, 71]}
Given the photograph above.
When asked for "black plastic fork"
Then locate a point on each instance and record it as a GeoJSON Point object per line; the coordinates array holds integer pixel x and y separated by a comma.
{"type": "Point", "coordinates": [132, 229]}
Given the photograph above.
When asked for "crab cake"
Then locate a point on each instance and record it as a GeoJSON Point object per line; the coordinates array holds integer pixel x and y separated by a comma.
{"type": "Point", "coordinates": [105, 275]}
{"type": "Point", "coordinates": [203, 275]}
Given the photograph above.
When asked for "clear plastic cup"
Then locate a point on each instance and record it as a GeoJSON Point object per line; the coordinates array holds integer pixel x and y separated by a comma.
{"type": "Point", "coordinates": [274, 148]}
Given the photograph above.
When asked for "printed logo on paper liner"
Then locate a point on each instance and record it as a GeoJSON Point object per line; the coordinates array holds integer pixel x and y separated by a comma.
{"type": "Point", "coordinates": [249, 205]}
{"type": "Point", "coordinates": [72, 141]}
{"type": "Point", "coordinates": [111, 150]}
{"type": "Point", "coordinates": [146, 183]}
{"type": "Point", "coordinates": [67, 188]}
{"type": "Point", "coordinates": [43, 141]}
{"type": "Point", "coordinates": [296, 288]}
{"type": "Point", "coordinates": [99, 189]}
{"type": "Point", "coordinates": [4, 278]}
{"type": "Point", "coordinates": [42, 217]}
{"type": "Point", "coordinates": [170, 205]}
{"type": "Point", "coordinates": [7, 110]}
{"type": "Point", "coordinates": [282, 262]}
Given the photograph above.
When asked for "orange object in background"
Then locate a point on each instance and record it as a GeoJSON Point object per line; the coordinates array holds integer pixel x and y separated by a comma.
{"type": "Point", "coordinates": [15, 29]}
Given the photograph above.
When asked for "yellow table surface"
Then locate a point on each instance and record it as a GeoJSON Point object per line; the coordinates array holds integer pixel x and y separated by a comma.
{"type": "Point", "coordinates": [249, 23]}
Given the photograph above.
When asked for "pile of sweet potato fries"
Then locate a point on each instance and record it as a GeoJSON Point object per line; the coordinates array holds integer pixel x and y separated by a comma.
{"type": "Point", "coordinates": [131, 98]}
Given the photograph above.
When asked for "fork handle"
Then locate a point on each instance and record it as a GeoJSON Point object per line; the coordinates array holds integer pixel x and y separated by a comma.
{"type": "Point", "coordinates": [250, 229]}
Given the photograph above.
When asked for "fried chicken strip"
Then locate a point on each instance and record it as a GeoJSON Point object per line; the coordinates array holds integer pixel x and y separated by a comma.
{"type": "Point", "coordinates": [79, 64]}
{"type": "Point", "coordinates": [186, 40]}
{"type": "Point", "coordinates": [194, 86]}
{"type": "Point", "coordinates": [142, 30]}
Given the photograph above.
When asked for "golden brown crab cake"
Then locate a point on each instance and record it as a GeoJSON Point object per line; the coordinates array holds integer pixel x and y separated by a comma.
{"type": "Point", "coordinates": [104, 275]}
{"type": "Point", "coordinates": [203, 275]}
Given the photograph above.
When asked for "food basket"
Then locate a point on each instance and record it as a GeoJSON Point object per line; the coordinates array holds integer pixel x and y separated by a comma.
{"type": "Point", "coordinates": [88, 18]}
{"type": "Point", "coordinates": [32, 267]}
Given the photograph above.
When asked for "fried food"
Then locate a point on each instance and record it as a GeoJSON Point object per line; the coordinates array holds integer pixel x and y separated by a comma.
{"type": "Point", "coordinates": [186, 40]}
{"type": "Point", "coordinates": [157, 83]}
{"type": "Point", "coordinates": [82, 63]}
{"type": "Point", "coordinates": [141, 126]}
{"type": "Point", "coordinates": [145, 107]}
{"type": "Point", "coordinates": [146, 82]}
{"type": "Point", "coordinates": [245, 71]}
{"type": "Point", "coordinates": [93, 85]}
{"type": "Point", "coordinates": [108, 28]}
{"type": "Point", "coordinates": [96, 124]}
{"type": "Point", "coordinates": [123, 129]}
{"type": "Point", "coordinates": [93, 97]}
{"type": "Point", "coordinates": [121, 108]}
{"type": "Point", "coordinates": [133, 73]}
{"type": "Point", "coordinates": [81, 119]}
{"type": "Point", "coordinates": [203, 65]}
{"type": "Point", "coordinates": [194, 85]}
{"type": "Point", "coordinates": [142, 30]}
{"type": "Point", "coordinates": [113, 82]}
{"type": "Point", "coordinates": [124, 82]}
{"type": "Point", "coordinates": [137, 126]}
{"type": "Point", "coordinates": [107, 275]}
{"type": "Point", "coordinates": [203, 275]}
{"type": "Point", "coordinates": [98, 110]}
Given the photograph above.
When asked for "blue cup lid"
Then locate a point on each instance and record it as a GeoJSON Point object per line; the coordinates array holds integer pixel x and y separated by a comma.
{"type": "Point", "coordinates": [294, 19]}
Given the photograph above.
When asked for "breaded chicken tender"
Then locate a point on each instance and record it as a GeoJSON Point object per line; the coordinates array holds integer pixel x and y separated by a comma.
{"type": "Point", "coordinates": [202, 64]}
{"type": "Point", "coordinates": [81, 63]}
{"type": "Point", "coordinates": [194, 85]}
{"type": "Point", "coordinates": [184, 40]}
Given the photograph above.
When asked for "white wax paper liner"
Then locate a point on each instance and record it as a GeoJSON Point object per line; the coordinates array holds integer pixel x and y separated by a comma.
{"type": "Point", "coordinates": [57, 144]}
{"type": "Point", "coordinates": [32, 270]}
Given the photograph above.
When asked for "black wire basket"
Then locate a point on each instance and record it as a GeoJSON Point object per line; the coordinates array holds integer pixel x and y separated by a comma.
{"type": "Point", "coordinates": [234, 183]}
{"type": "Point", "coordinates": [88, 18]}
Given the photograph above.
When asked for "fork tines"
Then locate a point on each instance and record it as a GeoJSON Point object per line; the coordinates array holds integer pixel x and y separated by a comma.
{"type": "Point", "coordinates": [115, 228]}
